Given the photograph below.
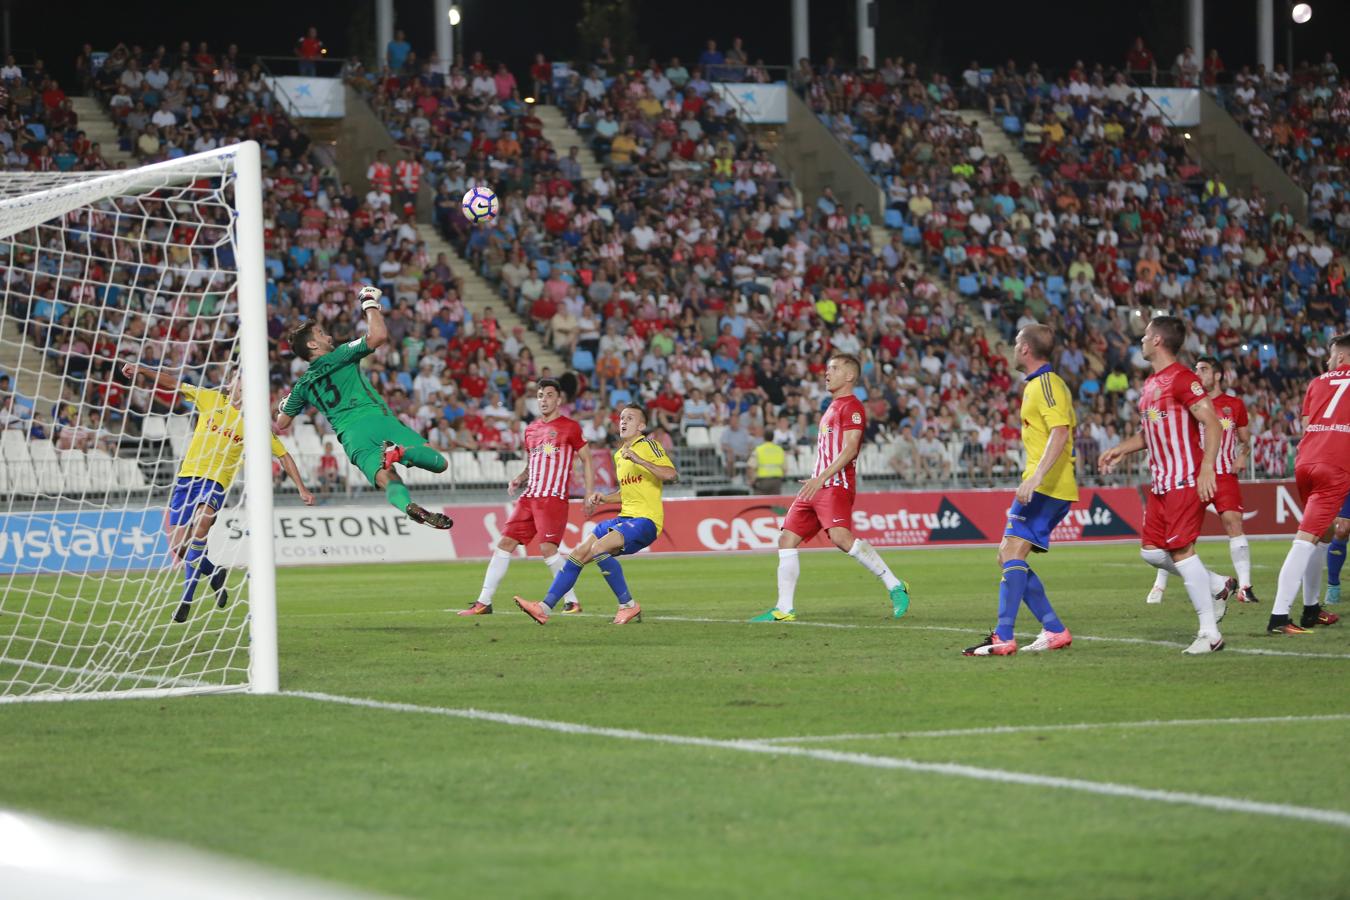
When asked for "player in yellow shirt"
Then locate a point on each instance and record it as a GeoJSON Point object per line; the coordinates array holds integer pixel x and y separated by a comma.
{"type": "Point", "coordinates": [642, 468]}
{"type": "Point", "coordinates": [1047, 491]}
{"type": "Point", "coordinates": [209, 466]}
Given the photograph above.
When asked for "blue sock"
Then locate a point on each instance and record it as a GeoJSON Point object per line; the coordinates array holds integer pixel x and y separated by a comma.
{"type": "Point", "coordinates": [563, 582]}
{"type": "Point", "coordinates": [1011, 587]}
{"type": "Point", "coordinates": [1335, 559]}
{"type": "Point", "coordinates": [1039, 604]}
{"type": "Point", "coordinates": [193, 569]}
{"type": "Point", "coordinates": [613, 572]}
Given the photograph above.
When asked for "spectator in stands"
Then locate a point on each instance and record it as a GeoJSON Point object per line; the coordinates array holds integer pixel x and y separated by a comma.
{"type": "Point", "coordinates": [396, 54]}
{"type": "Point", "coordinates": [330, 476]}
{"type": "Point", "coordinates": [736, 445]}
{"type": "Point", "coordinates": [310, 50]}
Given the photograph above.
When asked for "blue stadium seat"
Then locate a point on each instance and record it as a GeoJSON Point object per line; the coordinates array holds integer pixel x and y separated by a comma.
{"type": "Point", "coordinates": [1055, 284]}
{"type": "Point", "coordinates": [892, 219]}
{"type": "Point", "coordinates": [405, 381]}
{"type": "Point", "coordinates": [968, 285]}
{"type": "Point", "coordinates": [911, 235]}
{"type": "Point", "coordinates": [583, 361]}
{"type": "Point", "coordinates": [1056, 299]}
{"type": "Point", "coordinates": [1012, 125]}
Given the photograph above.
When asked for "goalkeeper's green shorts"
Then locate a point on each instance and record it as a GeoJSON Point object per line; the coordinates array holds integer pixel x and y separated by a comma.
{"type": "Point", "coordinates": [364, 439]}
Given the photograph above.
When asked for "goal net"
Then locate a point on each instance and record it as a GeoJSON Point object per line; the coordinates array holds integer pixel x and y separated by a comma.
{"type": "Point", "coordinates": [160, 266]}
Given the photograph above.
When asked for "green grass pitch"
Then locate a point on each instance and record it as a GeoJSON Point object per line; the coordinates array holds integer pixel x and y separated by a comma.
{"type": "Point", "coordinates": [426, 805]}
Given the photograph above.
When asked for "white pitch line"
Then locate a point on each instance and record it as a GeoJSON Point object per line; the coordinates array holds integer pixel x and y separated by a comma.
{"type": "Point", "coordinates": [1251, 651]}
{"type": "Point", "coordinates": [1036, 729]}
{"type": "Point", "coordinates": [952, 629]}
{"type": "Point", "coordinates": [1337, 818]}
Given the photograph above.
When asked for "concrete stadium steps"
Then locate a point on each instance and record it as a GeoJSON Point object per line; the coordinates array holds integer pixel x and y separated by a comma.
{"type": "Point", "coordinates": [29, 371]}
{"type": "Point", "coordinates": [563, 137]}
{"type": "Point", "coordinates": [479, 294]}
{"type": "Point", "coordinates": [997, 142]}
{"type": "Point", "coordinates": [99, 127]}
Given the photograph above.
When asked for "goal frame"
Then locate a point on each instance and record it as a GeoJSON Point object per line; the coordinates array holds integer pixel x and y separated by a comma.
{"type": "Point", "coordinates": [246, 160]}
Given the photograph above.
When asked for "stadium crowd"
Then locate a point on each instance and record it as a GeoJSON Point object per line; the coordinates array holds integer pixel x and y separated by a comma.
{"type": "Point", "coordinates": [689, 276]}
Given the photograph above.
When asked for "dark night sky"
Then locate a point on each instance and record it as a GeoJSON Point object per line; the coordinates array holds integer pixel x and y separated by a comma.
{"type": "Point", "coordinates": [947, 32]}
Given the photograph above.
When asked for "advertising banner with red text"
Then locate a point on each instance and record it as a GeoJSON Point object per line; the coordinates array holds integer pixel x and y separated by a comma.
{"type": "Point", "coordinates": [889, 519]}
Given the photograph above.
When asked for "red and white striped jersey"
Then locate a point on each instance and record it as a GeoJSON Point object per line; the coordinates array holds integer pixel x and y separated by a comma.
{"type": "Point", "coordinates": [843, 414]}
{"type": "Point", "coordinates": [1170, 431]}
{"type": "Point", "coordinates": [1326, 439]}
{"type": "Point", "coordinates": [1232, 414]}
{"type": "Point", "coordinates": [409, 173]}
{"type": "Point", "coordinates": [550, 448]}
{"type": "Point", "coordinates": [380, 175]}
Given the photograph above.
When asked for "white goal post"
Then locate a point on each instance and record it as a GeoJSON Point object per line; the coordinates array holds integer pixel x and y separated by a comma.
{"type": "Point", "coordinates": [163, 266]}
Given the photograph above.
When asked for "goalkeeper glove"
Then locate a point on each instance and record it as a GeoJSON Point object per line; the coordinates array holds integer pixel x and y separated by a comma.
{"type": "Point", "coordinates": [369, 297]}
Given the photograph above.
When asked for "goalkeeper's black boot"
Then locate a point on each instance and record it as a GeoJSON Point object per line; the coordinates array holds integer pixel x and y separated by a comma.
{"type": "Point", "coordinates": [218, 585]}
{"type": "Point", "coordinates": [426, 517]}
{"type": "Point", "coordinates": [184, 610]}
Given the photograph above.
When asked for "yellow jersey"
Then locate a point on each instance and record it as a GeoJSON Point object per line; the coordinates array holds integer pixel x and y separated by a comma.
{"type": "Point", "coordinates": [217, 447]}
{"type": "Point", "coordinates": [639, 489]}
{"type": "Point", "coordinates": [1047, 404]}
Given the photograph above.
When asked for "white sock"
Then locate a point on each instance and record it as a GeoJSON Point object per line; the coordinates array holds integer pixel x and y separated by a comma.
{"type": "Point", "coordinates": [1312, 578]}
{"type": "Point", "coordinates": [496, 571]}
{"type": "Point", "coordinates": [1217, 582]}
{"type": "Point", "coordinates": [1161, 581]}
{"type": "Point", "coordinates": [871, 560]}
{"type": "Point", "coordinates": [1291, 576]}
{"type": "Point", "coordinates": [1241, 552]}
{"type": "Point", "coordinates": [1159, 559]}
{"type": "Point", "coordinates": [1196, 577]}
{"type": "Point", "coordinates": [789, 567]}
{"type": "Point", "coordinates": [555, 564]}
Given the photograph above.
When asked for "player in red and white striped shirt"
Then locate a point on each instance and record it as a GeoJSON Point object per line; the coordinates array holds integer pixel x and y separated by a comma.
{"type": "Point", "coordinates": [1234, 443]}
{"type": "Point", "coordinates": [553, 442]}
{"type": "Point", "coordinates": [1172, 409]}
{"type": "Point", "coordinates": [1322, 470]}
{"type": "Point", "coordinates": [826, 498]}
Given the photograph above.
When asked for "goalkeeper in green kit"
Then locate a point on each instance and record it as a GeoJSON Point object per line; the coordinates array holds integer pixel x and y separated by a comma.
{"type": "Point", "coordinates": [372, 436]}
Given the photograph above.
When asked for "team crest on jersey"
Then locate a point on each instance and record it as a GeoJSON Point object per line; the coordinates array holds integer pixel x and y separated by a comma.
{"type": "Point", "coordinates": [857, 418]}
{"type": "Point", "coordinates": [1196, 389]}
{"type": "Point", "coordinates": [1154, 414]}
{"type": "Point", "coordinates": [1226, 422]}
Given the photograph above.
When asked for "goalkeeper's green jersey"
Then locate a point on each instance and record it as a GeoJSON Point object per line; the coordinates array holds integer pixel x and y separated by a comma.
{"type": "Point", "coordinates": [335, 385]}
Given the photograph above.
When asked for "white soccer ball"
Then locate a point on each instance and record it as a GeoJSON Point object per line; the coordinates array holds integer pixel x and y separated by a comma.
{"type": "Point", "coordinates": [1302, 12]}
{"type": "Point", "coordinates": [480, 204]}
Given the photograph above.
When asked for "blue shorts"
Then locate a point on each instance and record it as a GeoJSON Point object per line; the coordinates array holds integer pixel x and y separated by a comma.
{"type": "Point", "coordinates": [1345, 509]}
{"type": "Point", "coordinates": [638, 534]}
{"type": "Point", "coordinates": [189, 493]}
{"type": "Point", "coordinates": [1034, 521]}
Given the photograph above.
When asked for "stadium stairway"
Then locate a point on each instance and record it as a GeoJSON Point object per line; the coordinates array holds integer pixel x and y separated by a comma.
{"type": "Point", "coordinates": [563, 137]}
{"type": "Point", "coordinates": [30, 375]}
{"type": "Point", "coordinates": [480, 294]}
{"type": "Point", "coordinates": [100, 128]}
{"type": "Point", "coordinates": [996, 142]}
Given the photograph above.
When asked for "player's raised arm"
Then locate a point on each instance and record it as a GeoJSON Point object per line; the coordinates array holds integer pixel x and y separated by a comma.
{"type": "Point", "coordinates": [664, 472]}
{"type": "Point", "coordinates": [163, 380]}
{"type": "Point", "coordinates": [377, 333]}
